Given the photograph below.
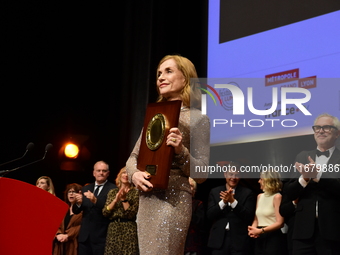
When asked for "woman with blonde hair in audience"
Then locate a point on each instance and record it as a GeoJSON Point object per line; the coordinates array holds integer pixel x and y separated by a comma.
{"type": "Point", "coordinates": [267, 224]}
{"type": "Point", "coordinates": [45, 183]}
{"type": "Point", "coordinates": [121, 208]}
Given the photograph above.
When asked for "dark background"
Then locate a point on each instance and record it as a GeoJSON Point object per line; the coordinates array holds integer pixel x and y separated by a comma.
{"type": "Point", "coordinates": [86, 71]}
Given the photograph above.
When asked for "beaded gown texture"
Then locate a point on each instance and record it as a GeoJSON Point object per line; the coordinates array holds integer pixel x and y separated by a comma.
{"type": "Point", "coordinates": [164, 215]}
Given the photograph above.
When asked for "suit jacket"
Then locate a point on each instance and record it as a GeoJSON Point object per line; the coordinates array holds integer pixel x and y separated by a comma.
{"type": "Point", "coordinates": [196, 237]}
{"type": "Point", "coordinates": [94, 224]}
{"type": "Point", "coordinates": [239, 218]}
{"type": "Point", "coordinates": [326, 192]}
{"type": "Point", "coordinates": [287, 210]}
{"type": "Point", "coordinates": [72, 230]}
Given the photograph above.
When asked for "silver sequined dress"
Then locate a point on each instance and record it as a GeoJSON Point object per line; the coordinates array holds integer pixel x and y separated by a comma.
{"type": "Point", "coordinates": [164, 215]}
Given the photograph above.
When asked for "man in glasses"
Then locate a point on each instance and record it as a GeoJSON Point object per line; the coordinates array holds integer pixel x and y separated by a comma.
{"type": "Point", "coordinates": [316, 192]}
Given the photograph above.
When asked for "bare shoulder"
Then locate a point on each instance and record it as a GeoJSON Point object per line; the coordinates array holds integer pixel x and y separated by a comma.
{"type": "Point", "coordinates": [278, 197]}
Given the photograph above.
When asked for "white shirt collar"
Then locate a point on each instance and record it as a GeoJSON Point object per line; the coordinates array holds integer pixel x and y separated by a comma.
{"type": "Point", "coordinates": [102, 184]}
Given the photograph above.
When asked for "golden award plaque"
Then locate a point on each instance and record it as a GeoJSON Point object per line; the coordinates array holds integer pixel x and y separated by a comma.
{"type": "Point", "coordinates": [155, 156]}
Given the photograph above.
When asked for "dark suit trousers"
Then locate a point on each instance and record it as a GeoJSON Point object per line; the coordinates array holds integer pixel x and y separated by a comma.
{"type": "Point", "coordinates": [228, 248]}
{"type": "Point", "coordinates": [271, 243]}
{"type": "Point", "coordinates": [90, 248]}
{"type": "Point", "coordinates": [315, 245]}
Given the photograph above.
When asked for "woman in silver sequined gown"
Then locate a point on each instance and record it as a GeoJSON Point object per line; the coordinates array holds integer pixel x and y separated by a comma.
{"type": "Point", "coordinates": [164, 215]}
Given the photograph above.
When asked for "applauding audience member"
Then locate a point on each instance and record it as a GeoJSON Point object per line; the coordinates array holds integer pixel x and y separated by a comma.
{"type": "Point", "coordinates": [121, 208]}
{"type": "Point", "coordinates": [231, 208]}
{"type": "Point", "coordinates": [66, 239]}
{"type": "Point", "coordinates": [91, 201]}
{"type": "Point", "coordinates": [316, 186]}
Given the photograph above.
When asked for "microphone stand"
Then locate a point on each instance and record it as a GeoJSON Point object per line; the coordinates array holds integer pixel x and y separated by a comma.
{"type": "Point", "coordinates": [47, 148]}
{"type": "Point", "coordinates": [28, 148]}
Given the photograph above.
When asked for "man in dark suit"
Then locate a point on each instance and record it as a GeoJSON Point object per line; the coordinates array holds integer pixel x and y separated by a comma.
{"type": "Point", "coordinates": [92, 235]}
{"type": "Point", "coordinates": [231, 209]}
{"type": "Point", "coordinates": [287, 211]}
{"type": "Point", "coordinates": [317, 214]}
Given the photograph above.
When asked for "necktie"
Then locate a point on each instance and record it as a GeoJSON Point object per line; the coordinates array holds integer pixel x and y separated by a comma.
{"type": "Point", "coordinates": [319, 153]}
{"type": "Point", "coordinates": [97, 190]}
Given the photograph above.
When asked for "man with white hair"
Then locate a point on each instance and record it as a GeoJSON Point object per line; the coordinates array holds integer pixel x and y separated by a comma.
{"type": "Point", "coordinates": [90, 201]}
{"type": "Point", "coordinates": [316, 190]}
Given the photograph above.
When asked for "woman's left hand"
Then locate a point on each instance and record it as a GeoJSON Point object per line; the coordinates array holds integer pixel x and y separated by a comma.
{"type": "Point", "coordinates": [175, 139]}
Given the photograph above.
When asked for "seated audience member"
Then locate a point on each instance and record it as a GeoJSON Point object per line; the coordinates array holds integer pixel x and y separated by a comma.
{"type": "Point", "coordinates": [66, 239]}
{"type": "Point", "coordinates": [121, 208]}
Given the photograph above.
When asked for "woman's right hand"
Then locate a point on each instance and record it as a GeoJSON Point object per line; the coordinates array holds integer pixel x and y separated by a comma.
{"type": "Point", "coordinates": [79, 198]}
{"type": "Point", "coordinates": [62, 238]}
{"type": "Point", "coordinates": [141, 181]}
{"type": "Point", "coordinates": [254, 232]}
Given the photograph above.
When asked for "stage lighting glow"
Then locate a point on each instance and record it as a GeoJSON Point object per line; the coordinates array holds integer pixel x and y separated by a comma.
{"type": "Point", "coordinates": [71, 150]}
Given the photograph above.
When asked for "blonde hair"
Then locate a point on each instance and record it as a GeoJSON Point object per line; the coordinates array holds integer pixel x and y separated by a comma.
{"type": "Point", "coordinates": [119, 175]}
{"type": "Point", "coordinates": [49, 183]}
{"type": "Point", "coordinates": [271, 182]}
{"type": "Point", "coordinates": [190, 94]}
